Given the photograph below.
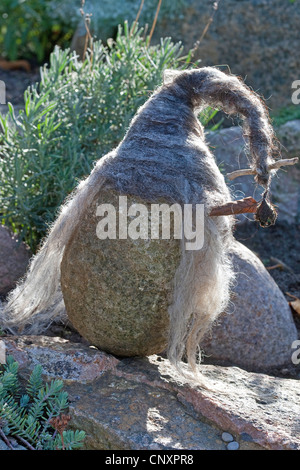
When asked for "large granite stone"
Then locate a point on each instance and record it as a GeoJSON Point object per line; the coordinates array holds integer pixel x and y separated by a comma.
{"type": "Point", "coordinates": [117, 292]}
{"type": "Point", "coordinates": [258, 331]}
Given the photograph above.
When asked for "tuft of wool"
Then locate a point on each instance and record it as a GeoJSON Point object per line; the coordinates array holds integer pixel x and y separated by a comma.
{"type": "Point", "coordinates": [163, 155]}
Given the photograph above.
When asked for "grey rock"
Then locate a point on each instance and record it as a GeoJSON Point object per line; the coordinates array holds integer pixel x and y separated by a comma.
{"type": "Point", "coordinates": [14, 259]}
{"type": "Point", "coordinates": [145, 403]}
{"type": "Point", "coordinates": [252, 39]}
{"type": "Point", "coordinates": [13, 443]}
{"type": "Point", "coordinates": [230, 150]}
{"type": "Point", "coordinates": [289, 137]}
{"type": "Point", "coordinates": [258, 330]}
{"type": "Point", "coordinates": [286, 186]}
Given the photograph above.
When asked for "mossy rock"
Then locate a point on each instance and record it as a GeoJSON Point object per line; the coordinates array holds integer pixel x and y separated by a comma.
{"type": "Point", "coordinates": [117, 292]}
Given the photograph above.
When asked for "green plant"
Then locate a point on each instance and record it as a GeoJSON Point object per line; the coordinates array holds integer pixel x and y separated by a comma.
{"type": "Point", "coordinates": [29, 29]}
{"type": "Point", "coordinates": [78, 112]}
{"type": "Point", "coordinates": [285, 114]}
{"type": "Point", "coordinates": [206, 117]}
{"type": "Point", "coordinates": [35, 415]}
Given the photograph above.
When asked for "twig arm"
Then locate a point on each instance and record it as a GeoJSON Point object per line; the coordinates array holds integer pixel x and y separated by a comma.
{"type": "Point", "coordinates": [274, 166]}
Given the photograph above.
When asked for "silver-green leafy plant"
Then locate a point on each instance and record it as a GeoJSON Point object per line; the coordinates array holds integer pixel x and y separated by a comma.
{"type": "Point", "coordinates": [34, 414]}
{"type": "Point", "coordinates": [78, 112]}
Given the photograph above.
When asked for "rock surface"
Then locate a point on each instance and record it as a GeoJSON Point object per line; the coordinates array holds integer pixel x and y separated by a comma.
{"type": "Point", "coordinates": [255, 39]}
{"type": "Point", "coordinates": [60, 358]}
{"type": "Point", "coordinates": [13, 445]}
{"type": "Point", "coordinates": [289, 137]}
{"type": "Point", "coordinates": [14, 258]}
{"type": "Point", "coordinates": [124, 314]}
{"type": "Point", "coordinates": [252, 39]}
{"type": "Point", "coordinates": [107, 15]}
{"type": "Point", "coordinates": [286, 188]}
{"type": "Point", "coordinates": [258, 330]}
{"type": "Point", "coordinates": [146, 404]}
{"type": "Point", "coordinates": [229, 148]}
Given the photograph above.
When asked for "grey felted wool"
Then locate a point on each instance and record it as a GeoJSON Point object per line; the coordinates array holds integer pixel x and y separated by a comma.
{"type": "Point", "coordinates": [163, 157]}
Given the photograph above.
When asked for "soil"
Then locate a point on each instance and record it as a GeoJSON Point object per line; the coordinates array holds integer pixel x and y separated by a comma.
{"type": "Point", "coordinates": [273, 245]}
{"type": "Point", "coordinates": [16, 82]}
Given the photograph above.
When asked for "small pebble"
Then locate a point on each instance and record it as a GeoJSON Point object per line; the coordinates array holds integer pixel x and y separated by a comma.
{"type": "Point", "coordinates": [233, 445]}
{"type": "Point", "coordinates": [226, 437]}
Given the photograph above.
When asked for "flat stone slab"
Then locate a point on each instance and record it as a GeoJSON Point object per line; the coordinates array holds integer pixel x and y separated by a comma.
{"type": "Point", "coordinates": [60, 359]}
{"type": "Point", "coordinates": [145, 403]}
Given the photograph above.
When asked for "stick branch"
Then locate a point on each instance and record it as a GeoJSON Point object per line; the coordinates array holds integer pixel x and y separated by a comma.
{"type": "Point", "coordinates": [273, 166]}
{"type": "Point", "coordinates": [154, 22]}
{"type": "Point", "coordinates": [242, 206]}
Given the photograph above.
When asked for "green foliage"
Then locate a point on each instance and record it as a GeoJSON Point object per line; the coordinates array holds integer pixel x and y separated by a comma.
{"type": "Point", "coordinates": [28, 415]}
{"type": "Point", "coordinates": [207, 115]}
{"type": "Point", "coordinates": [285, 114]}
{"type": "Point", "coordinates": [29, 29]}
{"type": "Point", "coordinates": [78, 112]}
{"type": "Point", "coordinates": [106, 15]}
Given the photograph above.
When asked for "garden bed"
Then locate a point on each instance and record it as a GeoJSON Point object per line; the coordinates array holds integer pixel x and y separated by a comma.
{"type": "Point", "coordinates": [16, 82]}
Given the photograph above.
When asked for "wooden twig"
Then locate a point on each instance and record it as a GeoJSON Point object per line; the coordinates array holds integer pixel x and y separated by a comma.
{"type": "Point", "coordinates": [4, 438]}
{"type": "Point", "coordinates": [282, 264]}
{"type": "Point", "coordinates": [137, 18]}
{"type": "Point", "coordinates": [210, 20]}
{"type": "Point", "coordinates": [273, 166]}
{"type": "Point", "coordinates": [242, 206]}
{"type": "Point", "coordinates": [154, 22]}
{"type": "Point", "coordinates": [88, 37]}
{"type": "Point", "coordinates": [291, 295]}
{"type": "Point", "coordinates": [26, 443]}
{"type": "Point", "coordinates": [15, 65]}
{"type": "Point", "coordinates": [295, 304]}
{"type": "Point", "coordinates": [269, 268]}
{"type": "Point", "coordinates": [265, 212]}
